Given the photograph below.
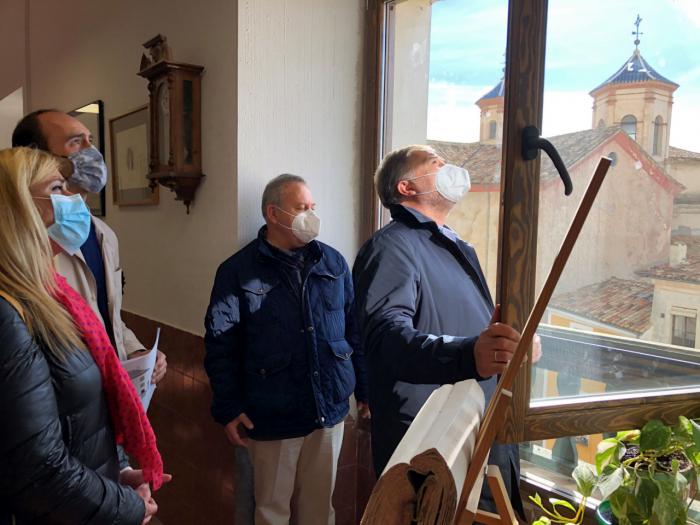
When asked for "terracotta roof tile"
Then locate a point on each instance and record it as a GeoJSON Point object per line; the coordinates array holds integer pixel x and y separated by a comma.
{"type": "Point", "coordinates": [484, 160]}
{"type": "Point", "coordinates": [687, 271]}
{"type": "Point", "coordinates": [621, 303]}
{"type": "Point", "coordinates": [688, 197]}
{"type": "Point", "coordinates": [678, 153]}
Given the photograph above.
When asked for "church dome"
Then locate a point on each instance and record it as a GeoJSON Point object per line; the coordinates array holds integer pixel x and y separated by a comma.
{"type": "Point", "coordinates": [635, 70]}
{"type": "Point", "coordinates": [497, 91]}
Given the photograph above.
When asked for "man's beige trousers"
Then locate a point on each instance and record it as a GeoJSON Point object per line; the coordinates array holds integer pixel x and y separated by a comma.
{"type": "Point", "coordinates": [297, 474]}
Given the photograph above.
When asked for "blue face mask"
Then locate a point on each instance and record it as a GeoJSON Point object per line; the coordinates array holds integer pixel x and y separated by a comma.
{"type": "Point", "coordinates": [72, 222]}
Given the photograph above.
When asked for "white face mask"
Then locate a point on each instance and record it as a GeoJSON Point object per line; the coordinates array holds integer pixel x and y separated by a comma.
{"type": "Point", "coordinates": [305, 226]}
{"type": "Point", "coordinates": [452, 182]}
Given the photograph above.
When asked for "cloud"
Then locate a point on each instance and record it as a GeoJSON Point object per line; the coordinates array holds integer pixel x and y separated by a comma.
{"type": "Point", "coordinates": [453, 116]}
{"type": "Point", "coordinates": [689, 77]}
{"type": "Point", "coordinates": [586, 43]}
{"type": "Point", "coordinates": [566, 112]}
{"type": "Point", "coordinates": [690, 9]}
{"type": "Point", "coordinates": [685, 119]}
{"type": "Point", "coordinates": [452, 112]}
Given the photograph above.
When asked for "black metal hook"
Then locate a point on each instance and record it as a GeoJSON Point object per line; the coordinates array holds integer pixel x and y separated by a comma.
{"type": "Point", "coordinates": [532, 142]}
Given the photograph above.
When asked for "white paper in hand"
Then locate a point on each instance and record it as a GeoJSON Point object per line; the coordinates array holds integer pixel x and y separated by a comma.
{"type": "Point", "coordinates": [140, 370]}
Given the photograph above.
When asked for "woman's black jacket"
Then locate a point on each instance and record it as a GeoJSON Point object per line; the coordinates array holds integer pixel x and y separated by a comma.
{"type": "Point", "coordinates": [58, 457]}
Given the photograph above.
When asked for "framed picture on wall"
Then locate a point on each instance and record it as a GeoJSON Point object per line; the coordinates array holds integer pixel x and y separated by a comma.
{"type": "Point", "coordinates": [129, 148]}
{"type": "Point", "coordinates": [93, 117]}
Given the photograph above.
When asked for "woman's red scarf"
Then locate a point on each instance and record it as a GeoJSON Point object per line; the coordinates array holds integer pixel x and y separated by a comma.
{"type": "Point", "coordinates": [131, 426]}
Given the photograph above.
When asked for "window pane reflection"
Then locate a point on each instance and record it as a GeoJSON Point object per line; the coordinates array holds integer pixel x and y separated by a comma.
{"type": "Point", "coordinates": [623, 317]}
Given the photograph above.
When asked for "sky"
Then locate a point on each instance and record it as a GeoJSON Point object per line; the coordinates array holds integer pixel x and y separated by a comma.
{"type": "Point", "coordinates": [586, 43]}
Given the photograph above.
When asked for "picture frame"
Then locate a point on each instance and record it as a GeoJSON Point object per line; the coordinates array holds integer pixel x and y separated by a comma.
{"type": "Point", "coordinates": [129, 136]}
{"type": "Point", "coordinates": [92, 115]}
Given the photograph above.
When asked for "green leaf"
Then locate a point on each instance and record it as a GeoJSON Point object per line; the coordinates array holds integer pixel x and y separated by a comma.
{"type": "Point", "coordinates": [684, 428]}
{"type": "Point", "coordinates": [693, 453]}
{"type": "Point", "coordinates": [561, 503]}
{"type": "Point", "coordinates": [696, 433]}
{"type": "Point", "coordinates": [625, 506]}
{"type": "Point", "coordinates": [608, 450]}
{"type": "Point", "coordinates": [542, 521]}
{"type": "Point", "coordinates": [675, 465]}
{"type": "Point", "coordinates": [610, 482]}
{"type": "Point", "coordinates": [646, 492]}
{"type": "Point", "coordinates": [585, 479]}
{"type": "Point", "coordinates": [537, 500]}
{"type": "Point", "coordinates": [669, 505]}
{"type": "Point", "coordinates": [666, 509]}
{"type": "Point", "coordinates": [680, 485]}
{"type": "Point", "coordinates": [655, 436]}
{"type": "Point", "coordinates": [628, 436]}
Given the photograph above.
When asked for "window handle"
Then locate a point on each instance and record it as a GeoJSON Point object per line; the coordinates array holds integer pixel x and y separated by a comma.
{"type": "Point", "coordinates": [533, 142]}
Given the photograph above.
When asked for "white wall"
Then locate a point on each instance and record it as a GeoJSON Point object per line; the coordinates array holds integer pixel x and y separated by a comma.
{"type": "Point", "coordinates": [12, 45]}
{"type": "Point", "coordinates": [667, 295]}
{"type": "Point", "coordinates": [11, 110]}
{"type": "Point", "coordinates": [81, 51]}
{"type": "Point", "coordinates": [284, 77]}
{"type": "Point", "coordinates": [299, 109]}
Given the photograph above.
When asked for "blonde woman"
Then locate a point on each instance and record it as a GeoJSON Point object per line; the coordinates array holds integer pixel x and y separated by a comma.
{"type": "Point", "coordinates": [65, 401]}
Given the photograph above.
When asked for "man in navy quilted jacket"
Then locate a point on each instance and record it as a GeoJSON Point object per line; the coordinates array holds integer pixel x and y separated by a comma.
{"type": "Point", "coordinates": [283, 356]}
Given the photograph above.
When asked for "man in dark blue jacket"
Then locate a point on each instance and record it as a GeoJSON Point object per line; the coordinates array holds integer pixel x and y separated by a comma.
{"type": "Point", "coordinates": [283, 356]}
{"type": "Point", "coordinates": [424, 307]}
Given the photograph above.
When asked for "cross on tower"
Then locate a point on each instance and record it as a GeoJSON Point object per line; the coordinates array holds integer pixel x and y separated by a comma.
{"type": "Point", "coordinates": [637, 33]}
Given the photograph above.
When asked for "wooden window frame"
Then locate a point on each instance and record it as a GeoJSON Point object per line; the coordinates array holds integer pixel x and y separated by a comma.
{"type": "Point", "coordinates": [517, 252]}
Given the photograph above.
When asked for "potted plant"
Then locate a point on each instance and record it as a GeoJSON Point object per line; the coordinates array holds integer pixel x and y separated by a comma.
{"type": "Point", "coordinates": [649, 476]}
{"type": "Point", "coordinates": [644, 477]}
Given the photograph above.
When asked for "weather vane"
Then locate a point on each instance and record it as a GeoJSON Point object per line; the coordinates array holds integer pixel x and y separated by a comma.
{"type": "Point", "coordinates": [637, 33]}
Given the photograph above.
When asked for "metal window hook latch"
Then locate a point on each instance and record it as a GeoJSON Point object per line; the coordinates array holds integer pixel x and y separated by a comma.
{"type": "Point", "coordinates": [532, 142]}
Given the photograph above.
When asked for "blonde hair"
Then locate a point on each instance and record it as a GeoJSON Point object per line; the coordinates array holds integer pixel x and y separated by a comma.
{"type": "Point", "coordinates": [26, 259]}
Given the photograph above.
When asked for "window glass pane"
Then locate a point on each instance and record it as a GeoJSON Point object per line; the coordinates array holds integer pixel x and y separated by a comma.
{"type": "Point", "coordinates": [629, 126]}
{"type": "Point", "coordinates": [443, 85]}
{"type": "Point", "coordinates": [613, 324]}
{"type": "Point", "coordinates": [684, 330]}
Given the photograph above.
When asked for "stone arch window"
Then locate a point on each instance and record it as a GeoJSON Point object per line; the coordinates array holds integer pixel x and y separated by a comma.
{"type": "Point", "coordinates": [493, 126]}
{"type": "Point", "coordinates": [629, 126]}
{"type": "Point", "coordinates": [658, 135]}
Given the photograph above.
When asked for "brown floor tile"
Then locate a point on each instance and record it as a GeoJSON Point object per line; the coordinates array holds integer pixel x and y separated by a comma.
{"type": "Point", "coordinates": [345, 487]}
